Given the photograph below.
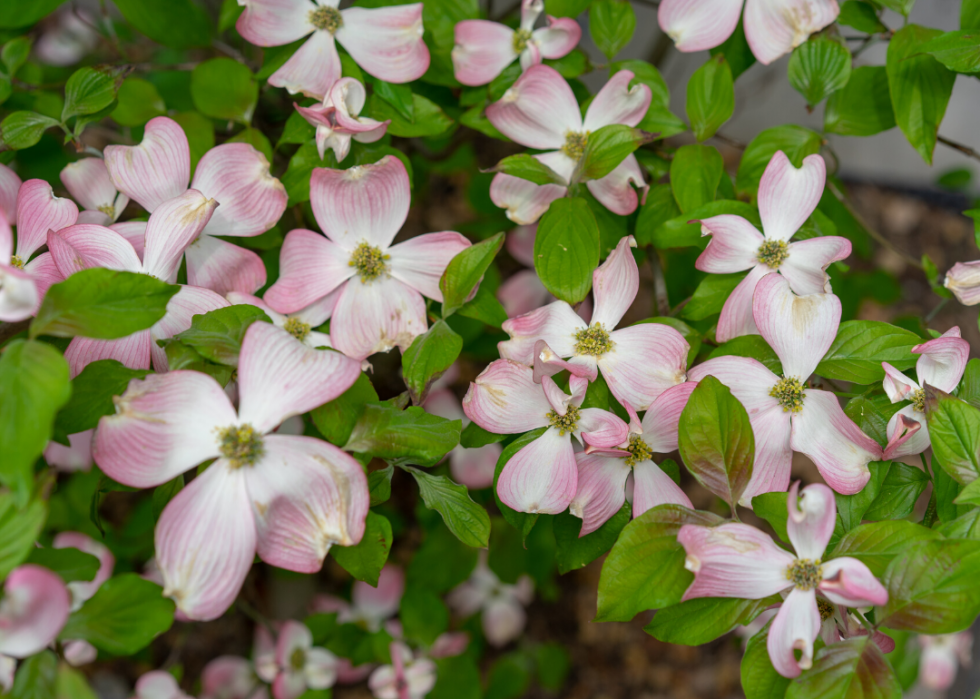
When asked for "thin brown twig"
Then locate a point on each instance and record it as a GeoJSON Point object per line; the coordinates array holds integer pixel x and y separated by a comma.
{"type": "Point", "coordinates": [965, 150]}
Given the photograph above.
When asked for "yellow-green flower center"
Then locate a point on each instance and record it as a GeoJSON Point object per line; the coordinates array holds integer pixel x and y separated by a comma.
{"type": "Point", "coordinates": [825, 608]}
{"type": "Point", "coordinates": [521, 37]}
{"type": "Point", "coordinates": [639, 451]}
{"type": "Point", "coordinates": [369, 261]}
{"type": "Point", "coordinates": [789, 392]}
{"type": "Point", "coordinates": [773, 253]}
{"type": "Point", "coordinates": [918, 399]}
{"type": "Point", "coordinates": [327, 19]}
{"type": "Point", "coordinates": [15, 261]}
{"type": "Point", "coordinates": [575, 144]}
{"type": "Point", "coordinates": [298, 659]}
{"type": "Point", "coordinates": [297, 328]}
{"type": "Point", "coordinates": [564, 423]}
{"type": "Point", "coordinates": [805, 573]}
{"type": "Point", "coordinates": [593, 341]}
{"type": "Point", "coordinates": [241, 445]}
{"type": "Point", "coordinates": [109, 210]}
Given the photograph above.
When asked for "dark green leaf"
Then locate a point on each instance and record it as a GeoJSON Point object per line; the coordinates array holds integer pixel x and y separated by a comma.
{"type": "Point", "coordinates": [410, 436]}
{"type": "Point", "coordinates": [223, 88]}
{"type": "Point", "coordinates": [773, 508]}
{"type": "Point", "coordinates": [611, 23]}
{"type": "Point", "coordinates": [819, 67]}
{"type": "Point", "coordinates": [91, 89]}
{"type": "Point", "coordinates": [606, 148]}
{"type": "Point", "coordinates": [694, 176]}
{"type": "Point", "coordinates": [872, 414]}
{"type": "Point", "coordinates": [737, 51]}
{"type": "Point", "coordinates": [528, 168]}
{"type": "Point", "coordinates": [485, 308]}
{"type": "Point", "coordinates": [899, 492]}
{"type": "Point", "coordinates": [710, 97]}
{"type": "Point", "coordinates": [24, 129]}
{"type": "Point", "coordinates": [429, 355]}
{"type": "Point", "coordinates": [467, 520]}
{"type": "Point", "coordinates": [970, 15]}
{"type": "Point", "coordinates": [710, 296]}
{"type": "Point", "coordinates": [139, 102]}
{"type": "Point", "coordinates": [795, 141]}
{"type": "Point", "coordinates": [164, 493]}
{"type": "Point", "coordinates": [861, 16]}
{"type": "Point", "coordinates": [876, 544]}
{"type": "Point", "coordinates": [577, 552]}
{"type": "Point", "coordinates": [423, 614]}
{"type": "Point", "coordinates": [659, 208]}
{"type": "Point", "coordinates": [179, 24]}
{"type": "Point", "coordinates": [36, 677]}
{"type": "Point", "coordinates": [959, 51]}
{"type": "Point", "coordinates": [69, 563]}
{"type": "Point", "coordinates": [954, 428]}
{"type": "Point", "coordinates": [566, 249]}
{"type": "Point", "coordinates": [92, 393]}
{"type": "Point", "coordinates": [379, 484]}
{"type": "Point", "coordinates": [702, 620]}
{"type": "Point", "coordinates": [862, 345]}
{"type": "Point", "coordinates": [680, 233]}
{"type": "Point", "coordinates": [335, 420]}
{"type": "Point", "coordinates": [863, 107]}
{"type": "Point", "coordinates": [398, 96]}
{"type": "Point", "coordinates": [430, 120]}
{"type": "Point", "coordinates": [366, 559]}
{"type": "Point", "coordinates": [19, 529]}
{"type": "Point", "coordinates": [217, 335]}
{"type": "Point", "coordinates": [851, 669]}
{"type": "Point", "coordinates": [759, 678]}
{"type": "Point", "coordinates": [473, 436]}
{"type": "Point", "coordinates": [15, 53]}
{"type": "Point", "coordinates": [465, 271]}
{"type": "Point", "coordinates": [851, 508]}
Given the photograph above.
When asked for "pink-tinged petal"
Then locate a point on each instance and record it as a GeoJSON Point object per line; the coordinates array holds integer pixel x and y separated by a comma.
{"type": "Point", "coordinates": [96, 217]}
{"type": "Point", "coordinates": [78, 653]}
{"type": "Point", "coordinates": [644, 362]}
{"type": "Point", "coordinates": [733, 560]}
{"type": "Point", "coordinates": [662, 418]}
{"type": "Point", "coordinates": [9, 187]}
{"type": "Point", "coordinates": [483, 49]}
{"type": "Point", "coordinates": [319, 311]}
{"type": "Point", "coordinates": [386, 41]}
{"type": "Point", "coordinates": [698, 25]}
{"type": "Point", "coordinates": [795, 628]}
{"type": "Point", "coordinates": [81, 590]}
{"type": "Point", "coordinates": [601, 490]}
{"type": "Point", "coordinates": [557, 39]}
{"type": "Point", "coordinates": [306, 495]}
{"type": "Point", "coordinates": [133, 231]}
{"type": "Point", "coordinates": [87, 180]}
{"type": "Point", "coordinates": [133, 351]}
{"type": "Point", "coordinates": [227, 677]}
{"type": "Point", "coordinates": [734, 245]}
{"type": "Point", "coordinates": [223, 267]}
{"type": "Point", "coordinates": [503, 621]}
{"type": "Point", "coordinates": [615, 190]}
{"type": "Point", "coordinates": [449, 645]}
{"type": "Point", "coordinates": [366, 203]}
{"type": "Point", "coordinates": [896, 384]}
{"type": "Point", "coordinates": [320, 671]}
{"type": "Point", "coordinates": [601, 428]}
{"type": "Point", "coordinates": [525, 201]}
{"type": "Point", "coordinates": [158, 684]}
{"type": "Point", "coordinates": [250, 200]}
{"type": "Point", "coordinates": [86, 245]}
{"type": "Point", "coordinates": [172, 227]}
{"type": "Point", "coordinates": [44, 272]}
{"type": "Point", "coordinates": [156, 170]}
{"type": "Point", "coordinates": [942, 361]}
{"type": "Point", "coordinates": [163, 425]}
{"type": "Point", "coordinates": [542, 477]}
{"type": "Point", "coordinates": [376, 316]}
{"type": "Point", "coordinates": [420, 261]}
{"type": "Point", "coordinates": [614, 284]}
{"type": "Point", "coordinates": [618, 103]}
{"type": "Point", "coordinates": [773, 454]}
{"type": "Point", "coordinates": [736, 315]}
{"type": "Point", "coordinates": [938, 663]}
{"type": "Point", "coordinates": [38, 211]}
{"type": "Point", "coordinates": [748, 380]}
{"type": "Point", "coordinates": [6, 239]}
{"type": "Point", "coordinates": [205, 541]}
{"type": "Point", "coordinates": [806, 267]}
{"type": "Point", "coordinates": [293, 636]}
{"type": "Point", "coordinates": [77, 457]}
{"type": "Point", "coordinates": [787, 196]}
{"type": "Point", "coordinates": [469, 597]}
{"type": "Point", "coordinates": [522, 293]}
{"type": "Point", "coordinates": [847, 581]}
{"type": "Point", "coordinates": [520, 244]}
{"type": "Point", "coordinates": [35, 607]}
{"type": "Point", "coordinates": [275, 22]}
{"type": "Point", "coordinates": [376, 604]}
{"type": "Point", "coordinates": [548, 363]}
{"type": "Point", "coordinates": [312, 69]}
{"type": "Point", "coordinates": [279, 376]}
{"type": "Point", "coordinates": [310, 268]}
{"type": "Point", "coordinates": [800, 329]}
{"type": "Point", "coordinates": [775, 27]}
{"type": "Point", "coordinates": [838, 447]}
{"type": "Point", "coordinates": [538, 110]}
{"type": "Point", "coordinates": [811, 519]}
{"type": "Point", "coordinates": [504, 399]}
{"type": "Point", "coordinates": [963, 279]}
{"type": "Point", "coordinates": [555, 323]}
{"type": "Point", "coordinates": [652, 487]}
{"type": "Point", "coordinates": [19, 295]}
{"type": "Point", "coordinates": [181, 309]}
{"type": "Point", "coordinates": [474, 468]}
{"type": "Point", "coordinates": [908, 434]}
{"type": "Point", "coordinates": [530, 11]}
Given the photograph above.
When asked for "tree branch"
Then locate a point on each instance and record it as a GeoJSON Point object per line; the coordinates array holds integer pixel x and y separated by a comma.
{"type": "Point", "coordinates": [965, 150]}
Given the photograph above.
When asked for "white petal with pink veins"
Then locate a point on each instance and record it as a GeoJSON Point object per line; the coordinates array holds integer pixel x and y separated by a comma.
{"type": "Point", "coordinates": [505, 399]}
{"type": "Point", "coordinates": [812, 515]}
{"type": "Point", "coordinates": [19, 295]}
{"type": "Point", "coordinates": [559, 38]}
{"type": "Point", "coordinates": [483, 49]}
{"type": "Point", "coordinates": [698, 25]}
{"type": "Point", "coordinates": [133, 351]}
{"type": "Point", "coordinates": [557, 323]}
{"type": "Point", "coordinates": [87, 180]}
{"type": "Point", "coordinates": [156, 170]}
{"type": "Point", "coordinates": [181, 309]}
{"type": "Point", "coordinates": [86, 245]}
{"type": "Point", "coordinates": [38, 211]}
{"type": "Point", "coordinates": [34, 608]}
{"type": "Point", "coordinates": [221, 266]}
{"type": "Point", "coordinates": [420, 261]}
{"type": "Point", "coordinates": [653, 487]}
{"type": "Point", "coordinates": [542, 477]}
{"type": "Point", "coordinates": [9, 186]}
{"type": "Point", "coordinates": [376, 316]}
{"type": "Point", "coordinates": [942, 361]}
{"type": "Point", "coordinates": [615, 190]}
{"type": "Point", "coordinates": [524, 201]}
{"type": "Point", "coordinates": [311, 267]}
{"type": "Point", "coordinates": [794, 628]}
{"type": "Point", "coordinates": [614, 284]}
{"type": "Point", "coordinates": [736, 315]}
{"type": "Point", "coordinates": [963, 279]}
{"type": "Point", "coordinates": [275, 22]}
{"type": "Point", "coordinates": [908, 434]}
{"type": "Point", "coordinates": [601, 490]}
{"type": "Point", "coordinates": [386, 42]}
{"type": "Point", "coordinates": [312, 69]}
{"type": "Point", "coordinates": [632, 376]}
{"type": "Point", "coordinates": [787, 195]}
{"type": "Point", "coordinates": [805, 268]}
{"type": "Point", "coordinates": [618, 103]}
{"type": "Point", "coordinates": [775, 27]}
{"type": "Point", "coordinates": [661, 420]}
{"type": "Point", "coordinates": [733, 247]}
{"type": "Point", "coordinates": [538, 110]}
{"type": "Point", "coordinates": [171, 228]}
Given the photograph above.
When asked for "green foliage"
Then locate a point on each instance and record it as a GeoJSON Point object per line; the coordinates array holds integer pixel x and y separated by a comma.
{"type": "Point", "coordinates": [336, 420]}
{"type": "Point", "coordinates": [365, 559]}
{"type": "Point", "coordinates": [91, 90]}
{"type": "Point", "coordinates": [862, 345]}
{"type": "Point", "coordinates": [429, 355]}
{"type": "Point", "coordinates": [223, 88]}
{"type": "Point", "coordinates": [217, 335]}
{"type": "Point", "coordinates": [849, 669]}
{"type": "Point", "coordinates": [612, 23]}
{"type": "Point", "coordinates": [410, 436]}
{"type": "Point", "coordinates": [819, 67]}
{"type": "Point", "coordinates": [566, 249]}
{"type": "Point", "coordinates": [467, 520]}
{"type": "Point", "coordinates": [710, 97]}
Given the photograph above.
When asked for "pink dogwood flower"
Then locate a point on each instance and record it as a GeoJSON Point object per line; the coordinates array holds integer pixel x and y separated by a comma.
{"type": "Point", "coordinates": [385, 42]}
{"type": "Point", "coordinates": [541, 477]}
{"type": "Point", "coordinates": [34, 608]}
{"type": "Point", "coordinates": [963, 279]}
{"type": "Point", "coordinates": [301, 666]}
{"type": "Point", "coordinates": [941, 364]}
{"type": "Point", "coordinates": [235, 175]}
{"type": "Point", "coordinates": [604, 474]}
{"type": "Point", "coordinates": [82, 591]}
{"type": "Point", "coordinates": [772, 27]}
{"type": "Point", "coordinates": [502, 605]}
{"type": "Point", "coordinates": [159, 684]}
{"type": "Point", "coordinates": [286, 497]}
{"type": "Point", "coordinates": [9, 189]}
{"type": "Point", "coordinates": [787, 197]}
{"type": "Point", "coordinates": [540, 111]}
{"type": "Point", "coordinates": [407, 677]}
{"type": "Point", "coordinates": [76, 457]}
{"type": "Point", "coordinates": [378, 286]}
{"type": "Point", "coordinates": [940, 657]}
{"type": "Point", "coordinates": [231, 677]}
{"type": "Point", "coordinates": [300, 324]}
{"type": "Point", "coordinates": [639, 362]}
{"type": "Point", "coordinates": [88, 181]}
{"type": "Point", "coordinates": [786, 416]}
{"type": "Point", "coordinates": [737, 560]}
{"type": "Point", "coordinates": [337, 120]}
{"type": "Point", "coordinates": [483, 48]}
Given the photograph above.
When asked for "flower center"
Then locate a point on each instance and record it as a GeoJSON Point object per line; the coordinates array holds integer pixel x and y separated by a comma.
{"type": "Point", "coordinates": [369, 261]}
{"type": "Point", "coordinates": [327, 19]}
{"type": "Point", "coordinates": [241, 444]}
{"type": "Point", "coordinates": [15, 261]}
{"type": "Point", "coordinates": [298, 659]}
{"type": "Point", "coordinates": [918, 399]}
{"type": "Point", "coordinates": [297, 328]}
{"type": "Point", "coordinates": [109, 210]}
{"type": "Point", "coordinates": [564, 423]}
{"type": "Point", "coordinates": [521, 37]}
{"type": "Point", "coordinates": [773, 253]}
{"type": "Point", "coordinates": [575, 144]}
{"type": "Point", "coordinates": [805, 573]}
{"type": "Point", "coordinates": [594, 341]}
{"type": "Point", "coordinates": [789, 392]}
{"type": "Point", "coordinates": [825, 608]}
{"type": "Point", "coordinates": [639, 451]}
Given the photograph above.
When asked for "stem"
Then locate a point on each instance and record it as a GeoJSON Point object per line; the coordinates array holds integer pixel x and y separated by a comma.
{"type": "Point", "coordinates": [965, 150]}
{"type": "Point", "coordinates": [659, 285]}
{"type": "Point", "coordinates": [882, 240]}
{"type": "Point", "coordinates": [934, 311]}
{"type": "Point", "coordinates": [254, 614]}
{"type": "Point", "coordinates": [864, 622]}
{"type": "Point", "coordinates": [929, 518]}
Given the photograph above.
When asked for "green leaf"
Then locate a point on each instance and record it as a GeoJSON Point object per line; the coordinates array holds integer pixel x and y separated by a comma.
{"type": "Point", "coordinates": [335, 420]}
{"type": "Point", "coordinates": [872, 414]}
{"type": "Point", "coordinates": [577, 552]}
{"type": "Point", "coordinates": [711, 294]}
{"type": "Point", "coordinates": [297, 130]}
{"type": "Point", "coordinates": [659, 208]}
{"type": "Point", "coordinates": [528, 168]}
{"type": "Point", "coordinates": [966, 526]}
{"type": "Point", "coordinates": [485, 308]}
{"type": "Point", "coordinates": [429, 120]}
{"type": "Point", "coordinates": [179, 24]}
{"type": "Point", "coordinates": [694, 176]}
{"type": "Point", "coordinates": [851, 508]}
{"type": "Point", "coordinates": [410, 436]}
{"type": "Point", "coordinates": [851, 669]}
{"type": "Point", "coordinates": [959, 51]}
{"type": "Point", "coordinates": [920, 87]}
{"type": "Point", "coordinates": [33, 387]}
{"type": "Point", "coordinates": [398, 96]}
{"type": "Point", "coordinates": [296, 179]}
{"type": "Point", "coordinates": [903, 7]}
{"type": "Point", "coordinates": [91, 396]}
{"type": "Point", "coordinates": [679, 232]}
{"type": "Point", "coordinates": [442, 561]}
{"type": "Point", "coordinates": [102, 304]}
{"type": "Point", "coordinates": [139, 102]}
{"type": "Point", "coordinates": [510, 677]}
{"type": "Point", "coordinates": [773, 508]}
{"type": "Point", "coordinates": [899, 492]}
{"type": "Point", "coordinates": [759, 678]}
{"type": "Point", "coordinates": [954, 429]}
{"type": "Point", "coordinates": [645, 568]}
{"type": "Point", "coordinates": [366, 559]}
{"type": "Point", "coordinates": [611, 23]}
{"type": "Point", "coordinates": [123, 617]}
{"type": "Point", "coordinates": [473, 437]}
{"type": "Point", "coordinates": [876, 544]}
{"type": "Point", "coordinates": [379, 484]}
{"type": "Point", "coordinates": [69, 563]}
{"type": "Point", "coordinates": [19, 529]}
{"type": "Point", "coordinates": [702, 620]}
{"type": "Point", "coordinates": [861, 16]}
{"type": "Point", "coordinates": [72, 684]}
{"type": "Point", "coordinates": [91, 89]}
{"type": "Point", "coordinates": [566, 249]}
{"type": "Point", "coordinates": [970, 15]}
{"type": "Point", "coordinates": [423, 614]}
{"type": "Point", "coordinates": [15, 53]}
{"type": "Point", "coordinates": [862, 345]}
{"type": "Point", "coordinates": [716, 441]}
{"type": "Point", "coordinates": [223, 88]}
{"type": "Point", "coordinates": [819, 67]}
{"type": "Point", "coordinates": [217, 335]}
{"type": "Point", "coordinates": [429, 355]}
{"type": "Point", "coordinates": [863, 107]}
{"type": "Point", "coordinates": [465, 271]}
{"type": "Point", "coordinates": [795, 141]}
{"type": "Point", "coordinates": [23, 14]}
{"type": "Point", "coordinates": [606, 148]}
{"type": "Point", "coordinates": [567, 8]}
{"type": "Point", "coordinates": [36, 677]}
{"type": "Point", "coordinates": [710, 97]}
{"type": "Point", "coordinates": [969, 388]}
{"type": "Point", "coordinates": [456, 678]}
{"type": "Point", "coordinates": [752, 346]}
{"type": "Point", "coordinates": [467, 520]}
{"type": "Point", "coordinates": [970, 495]}
{"type": "Point", "coordinates": [736, 51]}
{"type": "Point", "coordinates": [21, 130]}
